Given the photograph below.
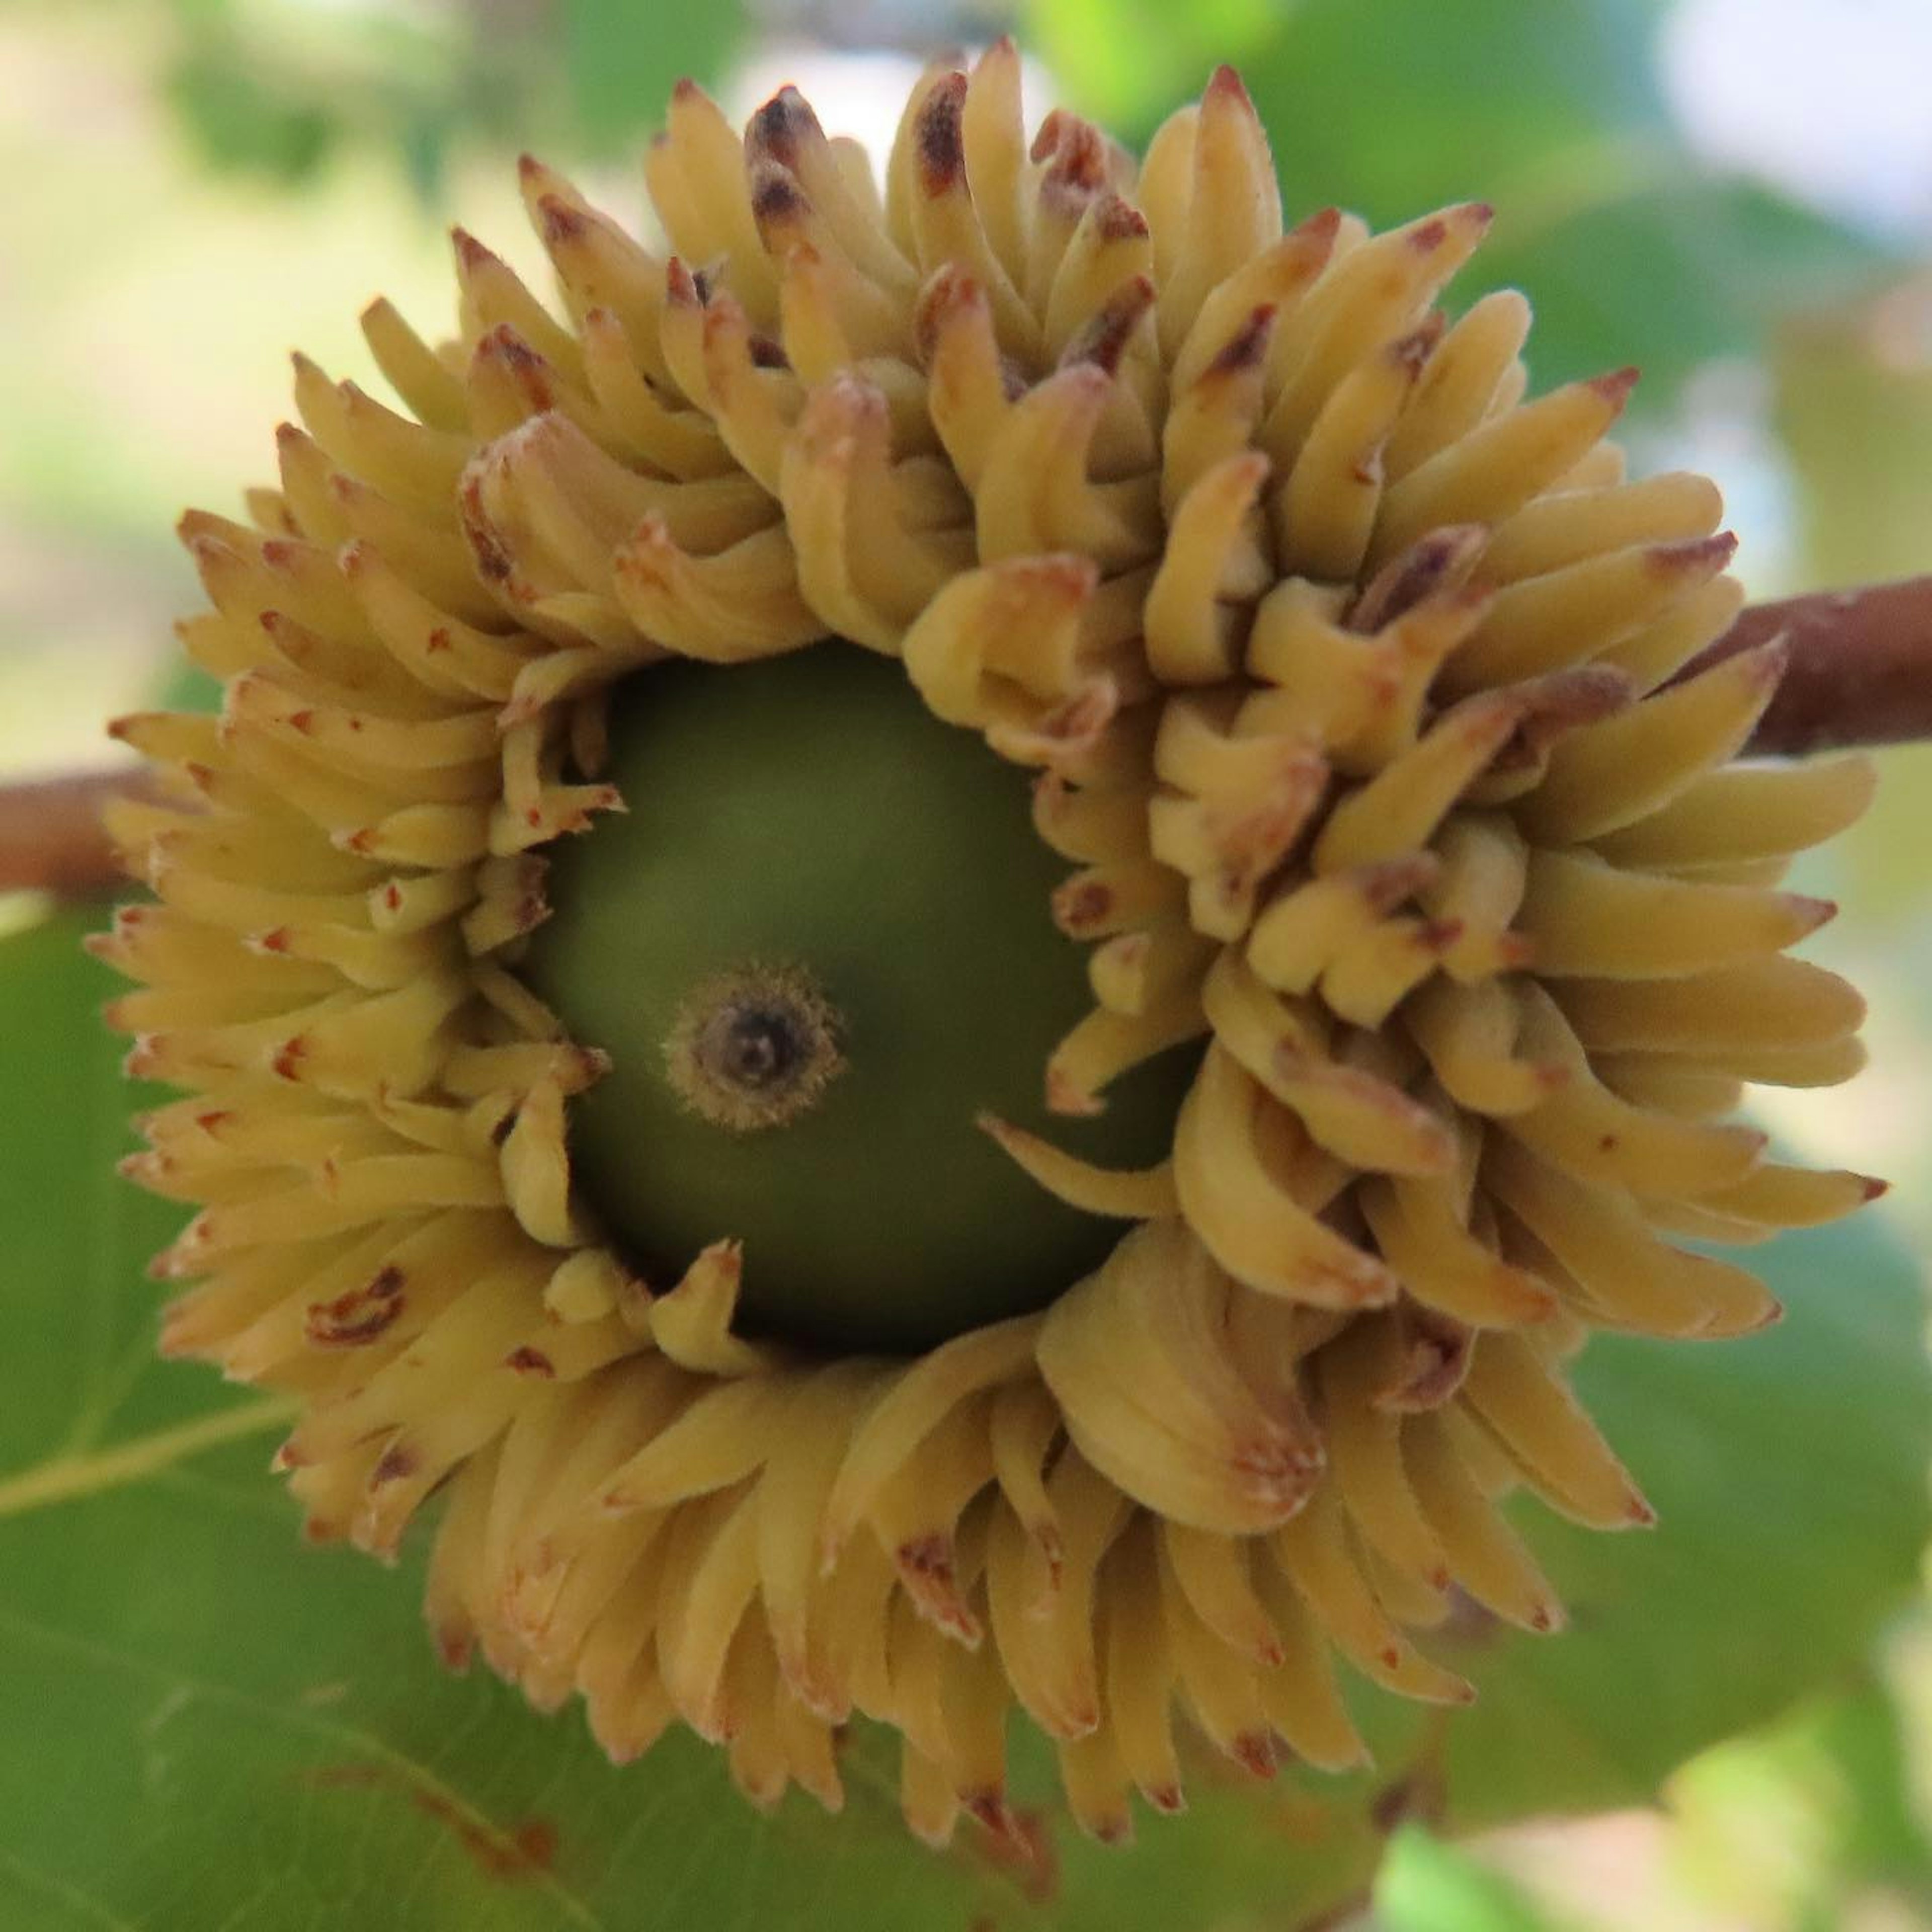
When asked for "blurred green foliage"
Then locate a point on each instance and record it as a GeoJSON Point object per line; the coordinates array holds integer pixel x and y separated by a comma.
{"type": "Point", "coordinates": [620, 60]}
{"type": "Point", "coordinates": [1428, 1886]}
{"type": "Point", "coordinates": [1552, 109]}
{"type": "Point", "coordinates": [1793, 1826]}
{"type": "Point", "coordinates": [279, 90]}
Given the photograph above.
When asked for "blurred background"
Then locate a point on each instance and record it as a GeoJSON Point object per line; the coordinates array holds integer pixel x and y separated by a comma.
{"type": "Point", "coordinates": [1736, 195]}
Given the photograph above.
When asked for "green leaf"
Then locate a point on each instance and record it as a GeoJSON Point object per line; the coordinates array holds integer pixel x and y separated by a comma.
{"type": "Point", "coordinates": [203, 1723]}
{"type": "Point", "coordinates": [279, 92]}
{"type": "Point", "coordinates": [1788, 1471]}
{"type": "Point", "coordinates": [1394, 109]}
{"type": "Point", "coordinates": [1428, 1886]}
{"type": "Point", "coordinates": [1655, 264]}
{"type": "Point", "coordinates": [1786, 1826]}
{"type": "Point", "coordinates": [77, 1320]}
{"type": "Point", "coordinates": [242, 120]}
{"type": "Point", "coordinates": [1121, 60]}
{"type": "Point", "coordinates": [623, 59]}
{"type": "Point", "coordinates": [188, 687]}
{"type": "Point", "coordinates": [1631, 250]}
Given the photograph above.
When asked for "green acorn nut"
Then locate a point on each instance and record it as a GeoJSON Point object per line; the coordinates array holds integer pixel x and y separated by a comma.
{"type": "Point", "coordinates": [818, 949]}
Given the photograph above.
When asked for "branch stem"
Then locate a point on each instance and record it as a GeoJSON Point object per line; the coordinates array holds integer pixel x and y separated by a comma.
{"type": "Point", "coordinates": [51, 838]}
{"type": "Point", "coordinates": [1860, 671]}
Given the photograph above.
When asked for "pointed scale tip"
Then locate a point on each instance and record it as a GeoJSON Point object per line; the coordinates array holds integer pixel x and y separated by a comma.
{"type": "Point", "coordinates": [990, 1808]}
{"type": "Point", "coordinates": [1226, 83]}
{"type": "Point", "coordinates": [1695, 555]}
{"type": "Point", "coordinates": [680, 289]}
{"type": "Point", "coordinates": [562, 223]}
{"type": "Point", "coordinates": [470, 253]}
{"type": "Point", "coordinates": [1615, 388]}
{"type": "Point", "coordinates": [454, 1649]}
{"type": "Point", "coordinates": [940, 137]}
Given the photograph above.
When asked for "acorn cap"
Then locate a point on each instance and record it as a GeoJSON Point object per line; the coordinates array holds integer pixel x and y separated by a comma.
{"type": "Point", "coordinates": [885, 1244]}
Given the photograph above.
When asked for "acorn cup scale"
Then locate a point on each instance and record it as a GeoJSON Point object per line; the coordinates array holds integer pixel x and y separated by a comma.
{"type": "Point", "coordinates": [808, 821]}
{"type": "Point", "coordinates": [1173, 946]}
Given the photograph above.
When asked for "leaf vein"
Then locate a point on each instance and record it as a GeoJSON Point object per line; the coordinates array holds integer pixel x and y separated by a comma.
{"type": "Point", "coordinates": [33, 1877]}
{"type": "Point", "coordinates": [442, 1795]}
{"type": "Point", "coordinates": [64, 1477]}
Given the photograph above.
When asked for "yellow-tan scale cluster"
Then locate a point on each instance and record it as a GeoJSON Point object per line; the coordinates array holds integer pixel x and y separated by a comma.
{"type": "Point", "coordinates": [1346, 670]}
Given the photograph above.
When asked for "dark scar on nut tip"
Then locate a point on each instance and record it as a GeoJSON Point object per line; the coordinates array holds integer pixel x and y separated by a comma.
{"type": "Point", "coordinates": [754, 1049]}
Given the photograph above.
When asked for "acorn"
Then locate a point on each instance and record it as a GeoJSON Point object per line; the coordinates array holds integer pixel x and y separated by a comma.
{"type": "Point", "coordinates": [818, 958]}
{"type": "Point", "coordinates": [949, 945]}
